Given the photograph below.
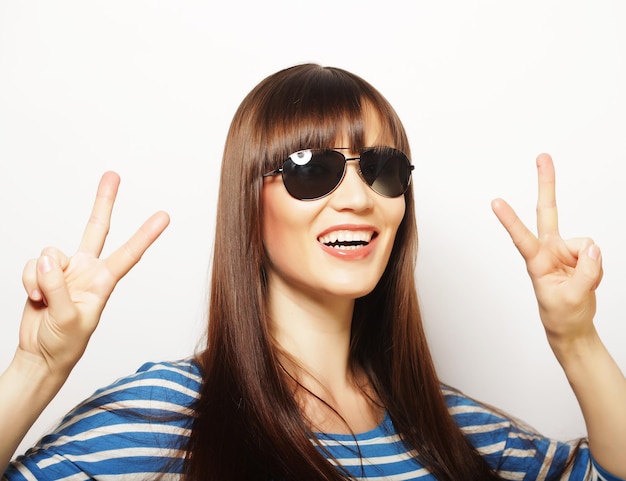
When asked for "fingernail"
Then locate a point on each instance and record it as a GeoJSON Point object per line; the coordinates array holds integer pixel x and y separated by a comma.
{"type": "Point", "coordinates": [45, 264]}
{"type": "Point", "coordinates": [594, 252]}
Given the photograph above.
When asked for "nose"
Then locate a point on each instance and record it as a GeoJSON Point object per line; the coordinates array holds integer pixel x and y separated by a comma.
{"type": "Point", "coordinates": [352, 193]}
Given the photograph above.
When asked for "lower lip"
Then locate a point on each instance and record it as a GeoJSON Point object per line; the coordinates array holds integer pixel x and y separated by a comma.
{"type": "Point", "coordinates": [350, 254]}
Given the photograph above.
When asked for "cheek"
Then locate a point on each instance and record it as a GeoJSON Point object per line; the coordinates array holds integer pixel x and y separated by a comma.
{"type": "Point", "coordinates": [274, 240]}
{"type": "Point", "coordinates": [394, 215]}
{"type": "Point", "coordinates": [395, 212]}
{"type": "Point", "coordinates": [282, 223]}
{"type": "Point", "coordinates": [271, 225]}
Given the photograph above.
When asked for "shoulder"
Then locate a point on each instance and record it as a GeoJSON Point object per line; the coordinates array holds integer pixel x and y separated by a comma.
{"type": "Point", "coordinates": [181, 378]}
{"type": "Point", "coordinates": [468, 412]}
{"type": "Point", "coordinates": [171, 385]}
{"type": "Point", "coordinates": [511, 446]}
{"type": "Point", "coordinates": [135, 427]}
{"type": "Point", "coordinates": [157, 392]}
{"type": "Point", "coordinates": [484, 425]}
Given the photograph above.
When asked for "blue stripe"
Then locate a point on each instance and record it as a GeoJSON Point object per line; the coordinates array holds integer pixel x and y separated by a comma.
{"type": "Point", "coordinates": [125, 428]}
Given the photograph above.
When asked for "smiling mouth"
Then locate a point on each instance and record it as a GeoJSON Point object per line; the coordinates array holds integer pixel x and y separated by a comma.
{"type": "Point", "coordinates": [347, 239]}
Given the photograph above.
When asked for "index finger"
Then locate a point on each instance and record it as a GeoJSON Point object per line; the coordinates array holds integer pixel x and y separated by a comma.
{"type": "Point", "coordinates": [547, 215]}
{"type": "Point", "coordinates": [522, 237]}
{"type": "Point", "coordinates": [125, 257]}
{"type": "Point", "coordinates": [100, 218]}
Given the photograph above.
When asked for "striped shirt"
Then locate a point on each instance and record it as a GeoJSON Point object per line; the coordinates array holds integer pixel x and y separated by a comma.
{"type": "Point", "coordinates": [136, 428]}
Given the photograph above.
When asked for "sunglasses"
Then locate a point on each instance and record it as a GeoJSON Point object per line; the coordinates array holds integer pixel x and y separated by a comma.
{"type": "Point", "coordinates": [314, 173]}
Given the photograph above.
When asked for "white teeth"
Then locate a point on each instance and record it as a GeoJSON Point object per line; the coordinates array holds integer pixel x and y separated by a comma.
{"type": "Point", "coordinates": [340, 237]}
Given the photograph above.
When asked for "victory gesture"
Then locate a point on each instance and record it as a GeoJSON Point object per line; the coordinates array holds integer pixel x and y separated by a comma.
{"type": "Point", "coordinates": [66, 295]}
{"type": "Point", "coordinates": [564, 273]}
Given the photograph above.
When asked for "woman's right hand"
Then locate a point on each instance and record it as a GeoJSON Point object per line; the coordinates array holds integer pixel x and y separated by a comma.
{"type": "Point", "coordinates": [66, 295]}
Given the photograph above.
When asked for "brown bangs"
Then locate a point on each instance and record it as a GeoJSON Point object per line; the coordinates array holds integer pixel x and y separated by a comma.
{"type": "Point", "coordinates": [310, 106]}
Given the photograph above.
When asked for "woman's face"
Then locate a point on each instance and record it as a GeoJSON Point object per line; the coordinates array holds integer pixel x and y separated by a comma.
{"type": "Point", "coordinates": [297, 233]}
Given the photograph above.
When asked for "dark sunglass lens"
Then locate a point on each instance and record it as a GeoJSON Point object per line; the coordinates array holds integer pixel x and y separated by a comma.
{"type": "Point", "coordinates": [311, 174]}
{"type": "Point", "coordinates": [387, 171]}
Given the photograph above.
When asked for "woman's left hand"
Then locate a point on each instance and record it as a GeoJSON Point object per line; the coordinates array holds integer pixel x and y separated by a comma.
{"type": "Point", "coordinates": [564, 273]}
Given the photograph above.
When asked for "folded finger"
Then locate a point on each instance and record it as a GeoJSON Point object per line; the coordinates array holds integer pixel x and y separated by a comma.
{"type": "Point", "coordinates": [60, 258]}
{"type": "Point", "coordinates": [29, 274]}
{"type": "Point", "coordinates": [29, 281]}
{"type": "Point", "coordinates": [575, 247]}
{"type": "Point", "coordinates": [51, 282]}
{"type": "Point", "coordinates": [588, 272]}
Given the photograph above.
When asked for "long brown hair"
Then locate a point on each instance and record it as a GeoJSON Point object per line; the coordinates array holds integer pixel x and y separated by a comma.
{"type": "Point", "coordinates": [248, 424]}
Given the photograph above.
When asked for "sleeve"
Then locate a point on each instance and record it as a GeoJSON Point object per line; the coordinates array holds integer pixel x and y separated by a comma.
{"type": "Point", "coordinates": [134, 429]}
{"type": "Point", "coordinates": [515, 450]}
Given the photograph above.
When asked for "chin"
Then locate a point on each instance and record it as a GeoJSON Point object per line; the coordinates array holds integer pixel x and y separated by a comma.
{"type": "Point", "coordinates": [351, 291]}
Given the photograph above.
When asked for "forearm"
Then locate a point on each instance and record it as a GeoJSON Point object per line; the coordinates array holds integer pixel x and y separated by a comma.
{"type": "Point", "coordinates": [600, 387]}
{"type": "Point", "coordinates": [26, 388]}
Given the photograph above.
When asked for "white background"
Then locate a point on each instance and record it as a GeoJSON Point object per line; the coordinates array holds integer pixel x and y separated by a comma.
{"type": "Point", "coordinates": [148, 88]}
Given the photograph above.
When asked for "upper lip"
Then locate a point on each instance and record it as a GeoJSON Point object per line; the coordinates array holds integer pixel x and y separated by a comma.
{"type": "Point", "coordinates": [347, 233]}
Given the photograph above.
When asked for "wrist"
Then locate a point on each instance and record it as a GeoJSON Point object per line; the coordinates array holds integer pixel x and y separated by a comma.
{"type": "Point", "coordinates": [572, 350]}
{"type": "Point", "coordinates": [26, 388]}
{"type": "Point", "coordinates": [31, 372]}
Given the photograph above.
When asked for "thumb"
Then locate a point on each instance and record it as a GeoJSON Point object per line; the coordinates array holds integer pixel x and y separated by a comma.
{"type": "Point", "coordinates": [51, 282]}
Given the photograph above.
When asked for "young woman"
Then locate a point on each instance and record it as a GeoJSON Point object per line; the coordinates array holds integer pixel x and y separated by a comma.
{"type": "Point", "coordinates": [316, 365]}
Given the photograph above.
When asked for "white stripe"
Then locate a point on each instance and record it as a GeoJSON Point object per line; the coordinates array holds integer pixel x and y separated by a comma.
{"type": "Point", "coordinates": [512, 475]}
{"type": "Point", "coordinates": [492, 448]}
{"type": "Point", "coordinates": [376, 460]}
{"type": "Point", "coordinates": [112, 454]}
{"type": "Point", "coordinates": [547, 461]}
{"type": "Point", "coordinates": [119, 429]}
{"type": "Point", "coordinates": [114, 387]}
{"type": "Point", "coordinates": [484, 428]}
{"type": "Point", "coordinates": [368, 442]}
{"type": "Point", "coordinates": [524, 453]}
{"type": "Point", "coordinates": [595, 475]}
{"type": "Point", "coordinates": [414, 474]}
{"type": "Point", "coordinates": [470, 408]}
{"type": "Point", "coordinates": [418, 473]}
{"type": "Point", "coordinates": [24, 471]}
{"type": "Point", "coordinates": [126, 404]}
{"type": "Point", "coordinates": [174, 367]}
{"type": "Point", "coordinates": [141, 477]}
{"type": "Point", "coordinates": [151, 383]}
{"type": "Point", "coordinates": [127, 477]}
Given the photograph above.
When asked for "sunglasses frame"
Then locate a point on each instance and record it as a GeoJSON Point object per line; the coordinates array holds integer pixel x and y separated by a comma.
{"type": "Point", "coordinates": [280, 170]}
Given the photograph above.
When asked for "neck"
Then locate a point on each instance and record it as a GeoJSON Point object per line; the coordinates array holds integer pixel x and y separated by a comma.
{"type": "Point", "coordinates": [314, 334]}
{"type": "Point", "coordinates": [313, 331]}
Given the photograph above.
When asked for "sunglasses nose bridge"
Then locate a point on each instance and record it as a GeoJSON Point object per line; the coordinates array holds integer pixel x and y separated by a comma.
{"type": "Point", "coordinates": [357, 170]}
{"type": "Point", "coordinates": [353, 159]}
{"type": "Point", "coordinates": [357, 160]}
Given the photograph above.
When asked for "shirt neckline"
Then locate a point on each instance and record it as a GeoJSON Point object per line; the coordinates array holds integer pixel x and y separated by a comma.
{"type": "Point", "coordinates": [383, 429]}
